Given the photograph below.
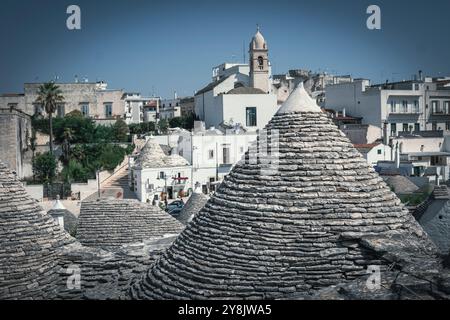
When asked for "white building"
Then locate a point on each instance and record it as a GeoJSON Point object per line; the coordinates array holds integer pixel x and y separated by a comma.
{"type": "Point", "coordinates": [375, 152]}
{"type": "Point", "coordinates": [424, 156]}
{"type": "Point", "coordinates": [408, 106]}
{"type": "Point", "coordinates": [136, 108]}
{"type": "Point", "coordinates": [240, 94]}
{"type": "Point", "coordinates": [154, 174]}
{"type": "Point", "coordinates": [213, 153]}
{"type": "Point", "coordinates": [362, 133]}
{"type": "Point", "coordinates": [314, 82]}
{"type": "Point", "coordinates": [170, 108]}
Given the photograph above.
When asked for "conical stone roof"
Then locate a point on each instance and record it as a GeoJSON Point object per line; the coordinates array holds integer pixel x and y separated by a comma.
{"type": "Point", "coordinates": [30, 243]}
{"type": "Point", "coordinates": [112, 223]}
{"type": "Point", "coordinates": [195, 203]}
{"type": "Point", "coordinates": [271, 233]}
{"type": "Point", "coordinates": [153, 156]}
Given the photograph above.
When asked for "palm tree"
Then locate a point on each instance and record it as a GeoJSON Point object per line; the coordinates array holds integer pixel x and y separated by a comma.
{"type": "Point", "coordinates": [68, 137]}
{"type": "Point", "coordinates": [49, 95]}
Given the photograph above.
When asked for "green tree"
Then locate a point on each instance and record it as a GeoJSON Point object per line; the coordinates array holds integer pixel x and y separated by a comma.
{"type": "Point", "coordinates": [150, 126]}
{"type": "Point", "coordinates": [163, 125]}
{"type": "Point", "coordinates": [135, 128]}
{"type": "Point", "coordinates": [121, 130]}
{"type": "Point", "coordinates": [103, 134]}
{"type": "Point", "coordinates": [75, 172]}
{"type": "Point", "coordinates": [176, 122]}
{"type": "Point", "coordinates": [188, 121]}
{"type": "Point", "coordinates": [44, 167]}
{"type": "Point", "coordinates": [49, 95]}
{"type": "Point", "coordinates": [67, 139]}
{"type": "Point", "coordinates": [185, 122]}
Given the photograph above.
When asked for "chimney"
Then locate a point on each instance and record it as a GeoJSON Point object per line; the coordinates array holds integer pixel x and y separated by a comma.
{"type": "Point", "coordinates": [343, 113]}
{"type": "Point", "coordinates": [57, 212]}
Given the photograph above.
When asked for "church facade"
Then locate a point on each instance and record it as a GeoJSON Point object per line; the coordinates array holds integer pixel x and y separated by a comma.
{"type": "Point", "coordinates": [240, 94]}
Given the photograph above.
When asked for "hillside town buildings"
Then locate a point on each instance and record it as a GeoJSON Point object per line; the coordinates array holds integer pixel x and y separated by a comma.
{"type": "Point", "coordinates": [212, 153]}
{"type": "Point", "coordinates": [140, 109]}
{"type": "Point", "coordinates": [239, 94]}
{"type": "Point", "coordinates": [296, 187]}
{"type": "Point", "coordinates": [407, 106]}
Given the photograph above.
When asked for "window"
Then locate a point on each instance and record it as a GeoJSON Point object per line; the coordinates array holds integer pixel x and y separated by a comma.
{"type": "Point", "coordinates": [251, 116]}
{"type": "Point", "coordinates": [379, 151]}
{"type": "Point", "coordinates": [416, 106]}
{"type": "Point", "coordinates": [416, 127]}
{"type": "Point", "coordinates": [447, 125]}
{"type": "Point", "coordinates": [260, 62]}
{"type": "Point", "coordinates": [108, 110]}
{"type": "Point", "coordinates": [434, 126]}
{"type": "Point", "coordinates": [162, 175]}
{"type": "Point", "coordinates": [405, 106]}
{"type": "Point", "coordinates": [435, 107]}
{"type": "Point", "coordinates": [393, 106]}
{"type": "Point", "coordinates": [37, 109]}
{"type": "Point", "coordinates": [447, 107]}
{"type": "Point", "coordinates": [405, 127]}
{"type": "Point", "coordinates": [211, 154]}
{"type": "Point", "coordinates": [226, 155]}
{"type": "Point", "coordinates": [393, 129]}
{"type": "Point", "coordinates": [85, 110]}
{"type": "Point", "coordinates": [60, 112]}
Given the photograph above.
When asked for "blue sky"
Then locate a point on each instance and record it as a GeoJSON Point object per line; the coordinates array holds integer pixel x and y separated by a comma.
{"type": "Point", "coordinates": [162, 46]}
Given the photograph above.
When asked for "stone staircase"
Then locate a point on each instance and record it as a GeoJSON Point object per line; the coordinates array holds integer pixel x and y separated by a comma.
{"type": "Point", "coordinates": [117, 185]}
{"type": "Point", "coordinates": [441, 193]}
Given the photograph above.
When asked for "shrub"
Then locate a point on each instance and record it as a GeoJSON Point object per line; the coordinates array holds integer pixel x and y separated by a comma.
{"type": "Point", "coordinates": [121, 131]}
{"type": "Point", "coordinates": [44, 167]}
{"type": "Point", "coordinates": [75, 172]}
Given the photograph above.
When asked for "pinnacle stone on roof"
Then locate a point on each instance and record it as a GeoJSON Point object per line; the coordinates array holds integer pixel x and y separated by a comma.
{"type": "Point", "coordinates": [299, 101]}
{"type": "Point", "coordinates": [296, 230]}
{"type": "Point", "coordinates": [30, 243]}
{"type": "Point", "coordinates": [112, 223]}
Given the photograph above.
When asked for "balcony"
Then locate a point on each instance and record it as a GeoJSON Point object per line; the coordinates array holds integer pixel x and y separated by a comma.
{"type": "Point", "coordinates": [440, 113]}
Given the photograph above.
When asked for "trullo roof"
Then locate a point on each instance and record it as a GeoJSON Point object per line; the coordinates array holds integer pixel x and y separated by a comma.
{"type": "Point", "coordinates": [268, 234]}
{"type": "Point", "coordinates": [30, 244]}
{"type": "Point", "coordinates": [112, 223]}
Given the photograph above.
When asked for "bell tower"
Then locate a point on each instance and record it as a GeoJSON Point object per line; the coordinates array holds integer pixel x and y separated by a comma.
{"type": "Point", "coordinates": [259, 62]}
